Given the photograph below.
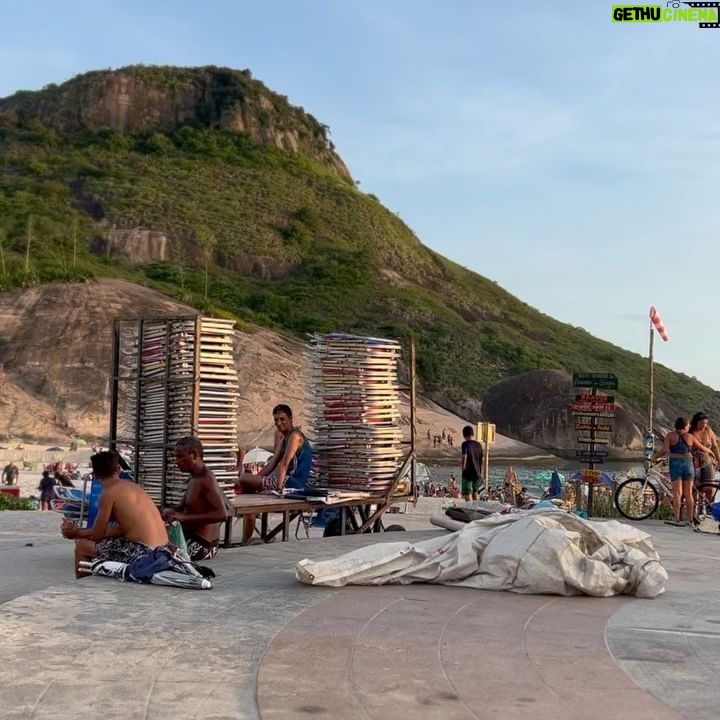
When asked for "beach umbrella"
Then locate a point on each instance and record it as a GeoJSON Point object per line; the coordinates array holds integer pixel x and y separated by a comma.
{"type": "Point", "coordinates": [257, 455]}
{"type": "Point", "coordinates": [169, 578]}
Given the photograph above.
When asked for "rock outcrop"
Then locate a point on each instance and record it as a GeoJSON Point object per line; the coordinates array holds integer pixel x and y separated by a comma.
{"type": "Point", "coordinates": [56, 353]}
{"type": "Point", "coordinates": [534, 407]}
{"type": "Point", "coordinates": [56, 360]}
{"type": "Point", "coordinates": [147, 99]}
{"type": "Point", "coordinates": [55, 364]}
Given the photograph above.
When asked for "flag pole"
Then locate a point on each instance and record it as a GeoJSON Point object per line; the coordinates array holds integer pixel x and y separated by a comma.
{"type": "Point", "coordinates": [652, 379]}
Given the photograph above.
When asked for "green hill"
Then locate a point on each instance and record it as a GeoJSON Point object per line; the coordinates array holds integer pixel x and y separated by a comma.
{"type": "Point", "coordinates": [210, 187]}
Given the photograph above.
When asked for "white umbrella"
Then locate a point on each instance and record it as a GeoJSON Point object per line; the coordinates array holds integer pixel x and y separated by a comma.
{"type": "Point", "coordinates": [257, 455]}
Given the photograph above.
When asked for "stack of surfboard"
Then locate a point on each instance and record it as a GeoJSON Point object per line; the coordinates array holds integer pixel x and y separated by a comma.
{"type": "Point", "coordinates": [164, 413]}
{"type": "Point", "coordinates": [218, 399]}
{"type": "Point", "coordinates": [176, 378]}
{"type": "Point", "coordinates": [354, 409]}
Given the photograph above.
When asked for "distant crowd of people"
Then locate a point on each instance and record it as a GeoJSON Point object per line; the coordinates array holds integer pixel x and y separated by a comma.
{"type": "Point", "coordinates": [431, 489]}
{"type": "Point", "coordinates": [441, 438]}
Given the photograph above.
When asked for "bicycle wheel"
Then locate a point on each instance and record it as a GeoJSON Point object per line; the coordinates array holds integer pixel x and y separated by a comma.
{"type": "Point", "coordinates": [636, 499]}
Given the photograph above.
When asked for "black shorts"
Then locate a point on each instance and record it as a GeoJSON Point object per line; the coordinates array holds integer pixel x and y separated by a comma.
{"type": "Point", "coordinates": [199, 548]}
{"type": "Point", "coordinates": [120, 550]}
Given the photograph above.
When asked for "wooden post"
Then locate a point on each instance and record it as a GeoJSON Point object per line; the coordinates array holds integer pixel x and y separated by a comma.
{"type": "Point", "coordinates": [591, 465]}
{"type": "Point", "coordinates": [413, 410]}
{"type": "Point", "coordinates": [196, 377]}
{"type": "Point", "coordinates": [114, 386]}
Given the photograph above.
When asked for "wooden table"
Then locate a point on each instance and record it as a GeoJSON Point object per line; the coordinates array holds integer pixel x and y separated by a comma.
{"type": "Point", "coordinates": [263, 505]}
{"type": "Point", "coordinates": [357, 512]}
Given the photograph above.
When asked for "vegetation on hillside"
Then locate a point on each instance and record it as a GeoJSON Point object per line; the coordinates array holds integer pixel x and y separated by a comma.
{"type": "Point", "coordinates": [280, 240]}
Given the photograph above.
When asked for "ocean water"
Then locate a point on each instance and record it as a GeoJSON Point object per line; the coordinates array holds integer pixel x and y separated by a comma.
{"type": "Point", "coordinates": [528, 474]}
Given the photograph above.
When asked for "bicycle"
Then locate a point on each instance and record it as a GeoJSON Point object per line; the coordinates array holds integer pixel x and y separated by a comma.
{"type": "Point", "coordinates": [639, 498]}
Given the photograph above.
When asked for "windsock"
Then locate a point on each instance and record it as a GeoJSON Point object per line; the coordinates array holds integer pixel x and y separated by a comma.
{"type": "Point", "coordinates": [658, 323]}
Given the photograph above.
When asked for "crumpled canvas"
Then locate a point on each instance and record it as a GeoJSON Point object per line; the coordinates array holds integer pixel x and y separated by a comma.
{"type": "Point", "coordinates": [537, 552]}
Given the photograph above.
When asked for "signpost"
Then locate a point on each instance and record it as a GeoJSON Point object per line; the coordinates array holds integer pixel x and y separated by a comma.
{"type": "Point", "coordinates": [598, 381]}
{"type": "Point", "coordinates": [589, 407]}
{"type": "Point", "coordinates": [486, 435]}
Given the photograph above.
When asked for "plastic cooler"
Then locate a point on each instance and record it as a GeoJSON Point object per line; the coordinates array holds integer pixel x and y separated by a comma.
{"type": "Point", "coordinates": [94, 498]}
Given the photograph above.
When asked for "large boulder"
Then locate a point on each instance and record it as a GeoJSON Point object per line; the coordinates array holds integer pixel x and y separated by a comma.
{"type": "Point", "coordinates": [534, 407]}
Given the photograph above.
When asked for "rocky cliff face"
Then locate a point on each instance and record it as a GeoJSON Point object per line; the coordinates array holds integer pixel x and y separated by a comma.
{"type": "Point", "coordinates": [55, 353]}
{"type": "Point", "coordinates": [142, 99]}
{"type": "Point", "coordinates": [55, 361]}
{"type": "Point", "coordinates": [533, 407]}
{"type": "Point", "coordinates": [56, 357]}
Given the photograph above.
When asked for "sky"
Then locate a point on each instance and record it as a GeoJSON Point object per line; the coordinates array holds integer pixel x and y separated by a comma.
{"type": "Point", "coordinates": [573, 160]}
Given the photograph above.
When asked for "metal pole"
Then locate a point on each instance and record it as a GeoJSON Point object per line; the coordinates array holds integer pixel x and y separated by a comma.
{"type": "Point", "coordinates": [139, 420]}
{"type": "Point", "coordinates": [114, 386]}
{"type": "Point", "coordinates": [166, 415]}
{"type": "Point", "coordinates": [652, 380]}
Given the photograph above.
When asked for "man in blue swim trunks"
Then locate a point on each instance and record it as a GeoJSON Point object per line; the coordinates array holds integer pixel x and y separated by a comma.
{"type": "Point", "coordinates": [678, 446]}
{"type": "Point", "coordinates": [288, 467]}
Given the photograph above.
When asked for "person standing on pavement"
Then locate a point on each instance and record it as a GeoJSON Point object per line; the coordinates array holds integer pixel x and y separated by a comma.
{"type": "Point", "coordinates": [470, 464]}
{"type": "Point", "coordinates": [47, 490]}
{"type": "Point", "coordinates": [678, 446]}
{"type": "Point", "coordinates": [703, 462]}
{"type": "Point", "coordinates": [10, 474]}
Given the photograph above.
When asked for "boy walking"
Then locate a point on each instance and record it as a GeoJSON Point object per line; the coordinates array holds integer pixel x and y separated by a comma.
{"type": "Point", "coordinates": [471, 464]}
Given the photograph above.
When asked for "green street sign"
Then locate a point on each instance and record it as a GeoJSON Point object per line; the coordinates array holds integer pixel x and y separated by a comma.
{"type": "Point", "coordinates": [601, 381]}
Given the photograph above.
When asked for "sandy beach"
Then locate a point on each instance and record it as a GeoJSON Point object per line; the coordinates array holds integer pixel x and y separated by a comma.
{"type": "Point", "coordinates": [32, 459]}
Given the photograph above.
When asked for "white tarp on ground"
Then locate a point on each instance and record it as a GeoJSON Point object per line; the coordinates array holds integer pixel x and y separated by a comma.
{"type": "Point", "coordinates": [541, 551]}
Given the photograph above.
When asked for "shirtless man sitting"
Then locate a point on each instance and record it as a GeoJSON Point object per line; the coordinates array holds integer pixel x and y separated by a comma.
{"type": "Point", "coordinates": [138, 526]}
{"type": "Point", "coordinates": [203, 507]}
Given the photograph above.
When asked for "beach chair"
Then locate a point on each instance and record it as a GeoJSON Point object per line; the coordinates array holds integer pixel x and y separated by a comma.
{"type": "Point", "coordinates": [70, 510]}
{"type": "Point", "coordinates": [67, 493]}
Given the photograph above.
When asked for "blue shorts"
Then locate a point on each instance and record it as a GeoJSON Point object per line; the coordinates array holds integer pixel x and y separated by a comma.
{"type": "Point", "coordinates": [681, 469]}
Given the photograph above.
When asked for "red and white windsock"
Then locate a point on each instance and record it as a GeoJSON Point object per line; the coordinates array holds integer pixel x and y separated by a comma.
{"type": "Point", "coordinates": [658, 323]}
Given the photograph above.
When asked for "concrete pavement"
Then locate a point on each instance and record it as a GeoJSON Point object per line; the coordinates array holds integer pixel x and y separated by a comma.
{"type": "Point", "coordinates": [262, 645]}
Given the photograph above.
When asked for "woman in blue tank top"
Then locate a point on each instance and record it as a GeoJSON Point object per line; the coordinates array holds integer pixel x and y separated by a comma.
{"type": "Point", "coordinates": [678, 446]}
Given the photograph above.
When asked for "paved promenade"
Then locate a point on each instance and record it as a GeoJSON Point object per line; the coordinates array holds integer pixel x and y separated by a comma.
{"type": "Point", "coordinates": [260, 645]}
